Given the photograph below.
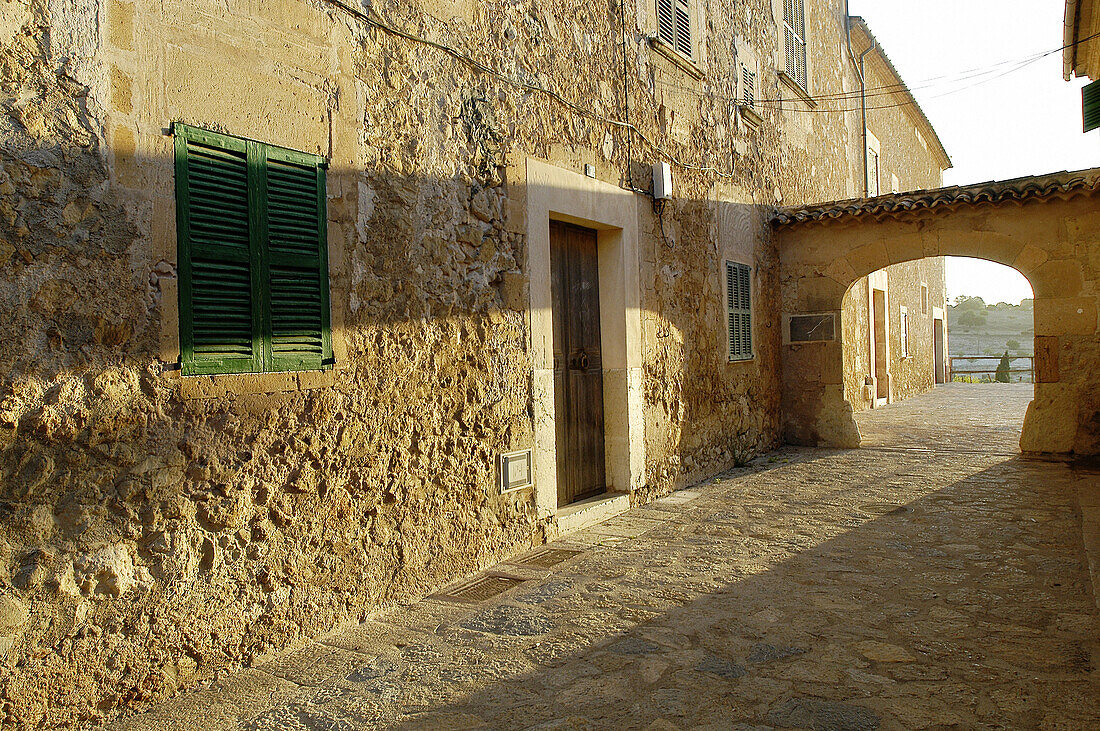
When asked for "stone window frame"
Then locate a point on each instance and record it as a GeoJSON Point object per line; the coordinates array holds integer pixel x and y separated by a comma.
{"type": "Point", "coordinates": [924, 298]}
{"type": "Point", "coordinates": [874, 165]}
{"type": "Point", "coordinates": [690, 64]}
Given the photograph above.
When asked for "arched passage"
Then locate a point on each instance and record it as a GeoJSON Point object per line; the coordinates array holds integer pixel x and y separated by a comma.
{"type": "Point", "coordinates": [1046, 228]}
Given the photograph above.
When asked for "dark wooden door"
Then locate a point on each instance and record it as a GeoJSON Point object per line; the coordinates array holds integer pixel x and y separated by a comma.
{"type": "Point", "coordinates": [578, 365]}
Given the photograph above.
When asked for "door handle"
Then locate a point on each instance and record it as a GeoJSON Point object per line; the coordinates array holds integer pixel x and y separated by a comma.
{"type": "Point", "coordinates": [579, 361]}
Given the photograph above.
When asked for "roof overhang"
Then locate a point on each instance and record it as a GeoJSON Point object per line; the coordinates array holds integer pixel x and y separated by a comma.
{"type": "Point", "coordinates": [1019, 191]}
{"type": "Point", "coordinates": [1081, 58]}
{"type": "Point", "coordinates": [903, 94]}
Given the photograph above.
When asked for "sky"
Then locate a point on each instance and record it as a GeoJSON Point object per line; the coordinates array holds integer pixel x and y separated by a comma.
{"type": "Point", "coordinates": [962, 59]}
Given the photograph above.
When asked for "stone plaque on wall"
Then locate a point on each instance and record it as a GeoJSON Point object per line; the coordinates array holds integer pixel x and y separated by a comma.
{"type": "Point", "coordinates": [813, 328]}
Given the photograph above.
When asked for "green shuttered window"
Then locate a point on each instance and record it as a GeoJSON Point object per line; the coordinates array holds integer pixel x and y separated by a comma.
{"type": "Point", "coordinates": [252, 256]}
{"type": "Point", "coordinates": [1090, 102]}
{"type": "Point", "coordinates": [739, 308]}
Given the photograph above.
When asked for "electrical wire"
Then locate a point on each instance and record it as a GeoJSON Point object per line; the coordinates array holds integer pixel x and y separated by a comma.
{"type": "Point", "coordinates": [798, 102]}
{"type": "Point", "coordinates": [799, 106]}
{"type": "Point", "coordinates": [890, 89]}
{"type": "Point", "coordinates": [482, 68]}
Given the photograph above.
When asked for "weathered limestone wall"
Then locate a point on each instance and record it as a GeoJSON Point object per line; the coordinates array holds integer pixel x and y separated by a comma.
{"type": "Point", "coordinates": [155, 529]}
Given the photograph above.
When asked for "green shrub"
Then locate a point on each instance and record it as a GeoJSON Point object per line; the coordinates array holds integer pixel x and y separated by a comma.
{"type": "Point", "coordinates": [1003, 368]}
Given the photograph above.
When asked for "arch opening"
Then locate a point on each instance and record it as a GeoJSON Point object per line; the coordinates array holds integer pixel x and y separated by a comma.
{"type": "Point", "coordinates": [1052, 244]}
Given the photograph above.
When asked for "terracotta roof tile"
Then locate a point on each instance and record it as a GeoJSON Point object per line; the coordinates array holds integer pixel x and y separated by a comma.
{"type": "Point", "coordinates": [1020, 190]}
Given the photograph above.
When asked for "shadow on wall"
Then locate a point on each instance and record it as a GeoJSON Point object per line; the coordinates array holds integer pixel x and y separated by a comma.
{"type": "Point", "coordinates": [148, 539]}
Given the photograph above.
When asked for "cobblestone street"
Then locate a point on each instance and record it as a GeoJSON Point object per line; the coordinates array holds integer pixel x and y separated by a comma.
{"type": "Point", "coordinates": [931, 579]}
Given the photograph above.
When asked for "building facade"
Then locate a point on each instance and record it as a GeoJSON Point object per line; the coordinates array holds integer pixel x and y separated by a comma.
{"type": "Point", "coordinates": [309, 309]}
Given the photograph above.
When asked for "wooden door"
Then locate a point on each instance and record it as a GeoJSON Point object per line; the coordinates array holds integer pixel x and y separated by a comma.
{"type": "Point", "coordinates": [881, 332]}
{"type": "Point", "coordinates": [578, 365]}
{"type": "Point", "coordinates": [937, 350]}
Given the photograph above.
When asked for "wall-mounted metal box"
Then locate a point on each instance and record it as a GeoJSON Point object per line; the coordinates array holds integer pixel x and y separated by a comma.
{"type": "Point", "coordinates": [516, 471]}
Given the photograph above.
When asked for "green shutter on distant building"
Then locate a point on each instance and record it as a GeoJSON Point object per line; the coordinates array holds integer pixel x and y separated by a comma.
{"type": "Point", "coordinates": [1090, 100]}
{"type": "Point", "coordinates": [252, 256]}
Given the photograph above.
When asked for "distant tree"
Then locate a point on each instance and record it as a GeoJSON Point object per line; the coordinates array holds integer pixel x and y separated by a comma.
{"type": "Point", "coordinates": [970, 318]}
{"type": "Point", "coordinates": [1003, 369]}
{"type": "Point", "coordinates": [1013, 344]}
{"type": "Point", "coordinates": [969, 303]}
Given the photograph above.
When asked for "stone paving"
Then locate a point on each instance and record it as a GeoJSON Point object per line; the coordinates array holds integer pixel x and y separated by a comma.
{"type": "Point", "coordinates": [931, 580]}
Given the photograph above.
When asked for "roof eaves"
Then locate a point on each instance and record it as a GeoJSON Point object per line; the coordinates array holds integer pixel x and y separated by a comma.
{"type": "Point", "coordinates": [1018, 190]}
{"type": "Point", "coordinates": [1069, 39]}
{"type": "Point", "coordinates": [862, 24]}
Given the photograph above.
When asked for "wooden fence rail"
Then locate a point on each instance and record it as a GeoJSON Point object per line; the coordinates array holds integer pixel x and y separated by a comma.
{"type": "Point", "coordinates": [1030, 370]}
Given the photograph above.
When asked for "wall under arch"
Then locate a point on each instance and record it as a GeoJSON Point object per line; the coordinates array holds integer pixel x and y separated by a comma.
{"type": "Point", "coordinates": [1055, 243]}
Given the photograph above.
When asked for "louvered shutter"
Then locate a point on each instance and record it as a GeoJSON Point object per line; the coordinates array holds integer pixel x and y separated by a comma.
{"type": "Point", "coordinates": [252, 256]}
{"type": "Point", "coordinates": [739, 309]}
{"type": "Point", "coordinates": [297, 307]}
{"type": "Point", "coordinates": [218, 314]}
{"type": "Point", "coordinates": [1090, 102]}
{"type": "Point", "coordinates": [794, 21]}
{"type": "Point", "coordinates": [683, 27]}
{"type": "Point", "coordinates": [674, 24]}
{"type": "Point", "coordinates": [748, 80]}
{"type": "Point", "coordinates": [666, 21]}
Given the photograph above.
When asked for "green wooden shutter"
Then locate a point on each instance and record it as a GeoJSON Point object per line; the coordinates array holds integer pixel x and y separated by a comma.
{"type": "Point", "coordinates": [252, 256]}
{"type": "Point", "coordinates": [739, 310]}
{"type": "Point", "coordinates": [297, 315]}
{"type": "Point", "coordinates": [1090, 100]}
{"type": "Point", "coordinates": [218, 314]}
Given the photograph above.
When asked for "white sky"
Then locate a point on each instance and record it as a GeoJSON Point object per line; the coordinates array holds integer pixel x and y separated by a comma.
{"type": "Point", "coordinates": [1026, 122]}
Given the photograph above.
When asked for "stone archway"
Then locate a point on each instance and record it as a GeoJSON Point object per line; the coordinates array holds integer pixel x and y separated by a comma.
{"type": "Point", "coordinates": [1047, 228]}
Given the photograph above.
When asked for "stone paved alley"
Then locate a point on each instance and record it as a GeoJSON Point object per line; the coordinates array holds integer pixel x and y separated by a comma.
{"type": "Point", "coordinates": [932, 579]}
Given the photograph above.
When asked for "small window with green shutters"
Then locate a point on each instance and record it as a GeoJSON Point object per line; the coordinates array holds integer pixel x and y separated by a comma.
{"type": "Point", "coordinates": [739, 309]}
{"type": "Point", "coordinates": [254, 293]}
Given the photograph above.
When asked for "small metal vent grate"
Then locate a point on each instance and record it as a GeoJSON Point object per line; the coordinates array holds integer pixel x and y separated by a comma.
{"type": "Point", "coordinates": [547, 557]}
{"type": "Point", "coordinates": [482, 588]}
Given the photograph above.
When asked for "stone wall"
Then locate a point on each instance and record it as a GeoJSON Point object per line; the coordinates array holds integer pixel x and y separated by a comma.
{"type": "Point", "coordinates": [154, 529]}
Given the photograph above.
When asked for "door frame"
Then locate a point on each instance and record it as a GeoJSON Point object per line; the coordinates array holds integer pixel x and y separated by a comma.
{"type": "Point", "coordinates": [563, 195]}
{"type": "Point", "coordinates": [879, 281]}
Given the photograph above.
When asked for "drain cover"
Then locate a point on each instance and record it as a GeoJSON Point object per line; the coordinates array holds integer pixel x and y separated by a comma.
{"type": "Point", "coordinates": [547, 557]}
{"type": "Point", "coordinates": [482, 588]}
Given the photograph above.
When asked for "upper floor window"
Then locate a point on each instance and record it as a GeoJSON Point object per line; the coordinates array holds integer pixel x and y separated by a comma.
{"type": "Point", "coordinates": [674, 24]}
{"type": "Point", "coordinates": [254, 288]}
{"type": "Point", "coordinates": [872, 173]}
{"type": "Point", "coordinates": [905, 332]}
{"type": "Point", "coordinates": [748, 84]}
{"type": "Point", "coordinates": [794, 26]}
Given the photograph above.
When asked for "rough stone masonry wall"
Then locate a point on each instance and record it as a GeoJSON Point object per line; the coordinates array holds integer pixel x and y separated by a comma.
{"type": "Point", "coordinates": [153, 529]}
